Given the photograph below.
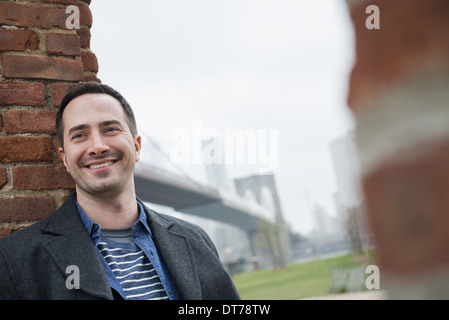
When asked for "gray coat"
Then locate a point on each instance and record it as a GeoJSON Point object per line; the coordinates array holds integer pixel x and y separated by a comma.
{"type": "Point", "coordinates": [34, 261]}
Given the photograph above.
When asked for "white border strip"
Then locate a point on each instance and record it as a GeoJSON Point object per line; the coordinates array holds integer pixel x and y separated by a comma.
{"type": "Point", "coordinates": [403, 121]}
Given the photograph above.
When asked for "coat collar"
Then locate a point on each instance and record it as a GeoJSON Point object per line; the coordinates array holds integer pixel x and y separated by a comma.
{"type": "Point", "coordinates": [174, 248]}
{"type": "Point", "coordinates": [72, 245]}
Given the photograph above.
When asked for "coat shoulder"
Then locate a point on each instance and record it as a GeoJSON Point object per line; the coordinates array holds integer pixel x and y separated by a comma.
{"type": "Point", "coordinates": [16, 251]}
{"type": "Point", "coordinates": [23, 238]}
{"type": "Point", "coordinates": [33, 234]}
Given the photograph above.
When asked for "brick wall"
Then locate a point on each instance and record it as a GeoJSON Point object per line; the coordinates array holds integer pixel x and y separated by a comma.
{"type": "Point", "coordinates": [399, 94]}
{"type": "Point", "coordinates": [40, 58]}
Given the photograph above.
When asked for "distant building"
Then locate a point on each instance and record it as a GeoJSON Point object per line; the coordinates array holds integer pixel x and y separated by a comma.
{"type": "Point", "coordinates": [349, 202]}
{"type": "Point", "coordinates": [328, 227]}
{"type": "Point", "coordinates": [346, 169]}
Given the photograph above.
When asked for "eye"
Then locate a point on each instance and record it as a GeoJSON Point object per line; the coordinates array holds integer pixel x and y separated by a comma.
{"type": "Point", "coordinates": [78, 136]}
{"type": "Point", "coordinates": [111, 129]}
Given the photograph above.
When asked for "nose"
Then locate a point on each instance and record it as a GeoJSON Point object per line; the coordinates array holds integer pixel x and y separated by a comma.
{"type": "Point", "coordinates": [97, 145]}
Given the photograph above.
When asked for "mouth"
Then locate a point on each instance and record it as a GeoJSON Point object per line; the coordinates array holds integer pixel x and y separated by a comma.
{"type": "Point", "coordinates": [101, 165]}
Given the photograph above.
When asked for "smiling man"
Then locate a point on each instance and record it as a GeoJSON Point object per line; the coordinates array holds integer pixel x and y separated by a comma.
{"type": "Point", "coordinates": [104, 243]}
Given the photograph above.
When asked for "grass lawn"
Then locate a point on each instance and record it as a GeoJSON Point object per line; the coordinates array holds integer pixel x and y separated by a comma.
{"type": "Point", "coordinates": [296, 281]}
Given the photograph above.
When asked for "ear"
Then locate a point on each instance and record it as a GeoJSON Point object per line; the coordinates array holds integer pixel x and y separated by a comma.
{"type": "Point", "coordinates": [138, 146]}
{"type": "Point", "coordinates": [62, 154]}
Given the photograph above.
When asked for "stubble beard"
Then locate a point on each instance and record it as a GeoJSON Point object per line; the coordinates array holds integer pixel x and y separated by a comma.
{"type": "Point", "coordinates": [100, 183]}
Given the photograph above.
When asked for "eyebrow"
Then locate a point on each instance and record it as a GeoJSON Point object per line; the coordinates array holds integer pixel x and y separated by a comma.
{"type": "Point", "coordinates": [76, 128]}
{"type": "Point", "coordinates": [85, 126]}
{"type": "Point", "coordinates": [109, 122]}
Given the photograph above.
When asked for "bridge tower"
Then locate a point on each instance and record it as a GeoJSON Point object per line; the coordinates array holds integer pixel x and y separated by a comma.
{"type": "Point", "coordinates": [268, 239]}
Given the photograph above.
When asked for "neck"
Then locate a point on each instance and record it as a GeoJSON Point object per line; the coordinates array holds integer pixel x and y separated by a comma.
{"type": "Point", "coordinates": [110, 212]}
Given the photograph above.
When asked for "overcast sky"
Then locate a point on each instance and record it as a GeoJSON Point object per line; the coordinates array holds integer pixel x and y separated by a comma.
{"type": "Point", "coordinates": [237, 64]}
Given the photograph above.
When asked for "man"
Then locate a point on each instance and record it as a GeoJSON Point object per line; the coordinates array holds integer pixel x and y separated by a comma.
{"type": "Point", "coordinates": [104, 243]}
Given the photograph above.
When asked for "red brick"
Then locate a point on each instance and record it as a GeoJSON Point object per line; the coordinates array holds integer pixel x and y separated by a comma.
{"type": "Point", "coordinates": [25, 121]}
{"type": "Point", "coordinates": [25, 149]}
{"type": "Point", "coordinates": [35, 177]}
{"type": "Point", "coordinates": [14, 66]}
{"type": "Point", "coordinates": [90, 61]}
{"type": "Point", "coordinates": [3, 176]}
{"type": "Point", "coordinates": [32, 16]}
{"type": "Point", "coordinates": [22, 209]}
{"type": "Point", "coordinates": [85, 16]}
{"type": "Point", "coordinates": [44, 17]}
{"type": "Point", "coordinates": [416, 42]}
{"type": "Point", "coordinates": [5, 231]}
{"type": "Point", "coordinates": [84, 34]}
{"type": "Point", "coordinates": [91, 77]}
{"type": "Point", "coordinates": [58, 91]}
{"type": "Point", "coordinates": [22, 94]}
{"type": "Point", "coordinates": [18, 40]}
{"type": "Point", "coordinates": [63, 44]}
{"type": "Point", "coordinates": [63, 1]}
{"type": "Point", "coordinates": [407, 204]}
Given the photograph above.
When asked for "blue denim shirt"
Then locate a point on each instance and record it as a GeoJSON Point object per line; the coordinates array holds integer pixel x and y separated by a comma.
{"type": "Point", "coordinates": [143, 237]}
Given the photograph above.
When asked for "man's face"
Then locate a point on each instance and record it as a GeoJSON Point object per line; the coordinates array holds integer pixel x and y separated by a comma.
{"type": "Point", "coordinates": [99, 150]}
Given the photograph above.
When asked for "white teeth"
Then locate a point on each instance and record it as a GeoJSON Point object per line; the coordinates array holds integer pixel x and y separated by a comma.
{"type": "Point", "coordinates": [101, 165]}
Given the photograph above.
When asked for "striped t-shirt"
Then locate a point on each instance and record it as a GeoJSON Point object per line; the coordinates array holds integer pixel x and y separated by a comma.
{"type": "Point", "coordinates": [132, 269]}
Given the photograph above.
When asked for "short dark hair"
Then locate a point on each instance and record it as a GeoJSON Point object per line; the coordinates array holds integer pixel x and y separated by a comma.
{"type": "Point", "coordinates": [82, 88]}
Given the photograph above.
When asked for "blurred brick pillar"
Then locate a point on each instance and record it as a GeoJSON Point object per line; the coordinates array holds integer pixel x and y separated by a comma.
{"type": "Point", "coordinates": [399, 94]}
{"type": "Point", "coordinates": [40, 58]}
